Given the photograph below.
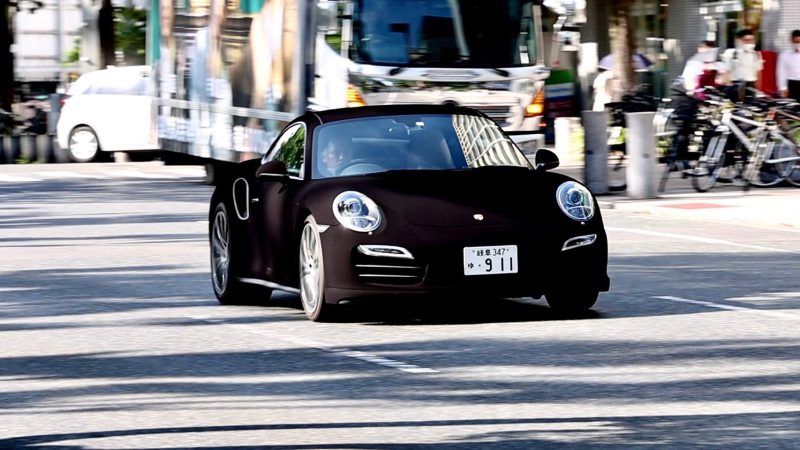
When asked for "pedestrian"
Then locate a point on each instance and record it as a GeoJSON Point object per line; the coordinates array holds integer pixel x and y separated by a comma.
{"type": "Point", "coordinates": [743, 65]}
{"type": "Point", "coordinates": [703, 68]}
{"type": "Point", "coordinates": [789, 70]}
{"type": "Point", "coordinates": [603, 87]}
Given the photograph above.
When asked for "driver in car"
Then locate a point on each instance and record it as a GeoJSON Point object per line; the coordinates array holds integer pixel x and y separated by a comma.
{"type": "Point", "coordinates": [336, 155]}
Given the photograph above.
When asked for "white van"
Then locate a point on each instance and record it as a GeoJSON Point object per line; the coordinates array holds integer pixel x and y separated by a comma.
{"type": "Point", "coordinates": [107, 110]}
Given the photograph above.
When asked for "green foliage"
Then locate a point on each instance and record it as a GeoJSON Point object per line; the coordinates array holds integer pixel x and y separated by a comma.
{"type": "Point", "coordinates": [335, 41]}
{"type": "Point", "coordinates": [75, 54]}
{"type": "Point", "coordinates": [130, 34]}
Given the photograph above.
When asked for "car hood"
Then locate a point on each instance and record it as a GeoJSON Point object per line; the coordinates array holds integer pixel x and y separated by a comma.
{"type": "Point", "coordinates": [474, 197]}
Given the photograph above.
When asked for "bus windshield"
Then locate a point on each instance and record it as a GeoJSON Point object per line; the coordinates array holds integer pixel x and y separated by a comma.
{"type": "Point", "coordinates": [444, 33]}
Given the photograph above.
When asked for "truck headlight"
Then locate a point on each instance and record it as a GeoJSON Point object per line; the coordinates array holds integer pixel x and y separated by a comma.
{"type": "Point", "coordinates": [357, 212]}
{"type": "Point", "coordinates": [575, 200]}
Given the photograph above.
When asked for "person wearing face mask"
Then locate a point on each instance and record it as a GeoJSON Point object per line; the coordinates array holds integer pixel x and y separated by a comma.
{"type": "Point", "coordinates": [743, 63]}
{"type": "Point", "coordinates": [789, 70]}
{"type": "Point", "coordinates": [702, 69]}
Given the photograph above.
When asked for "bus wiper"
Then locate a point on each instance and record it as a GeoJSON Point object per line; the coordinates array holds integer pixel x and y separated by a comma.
{"type": "Point", "coordinates": [501, 72]}
{"type": "Point", "coordinates": [396, 70]}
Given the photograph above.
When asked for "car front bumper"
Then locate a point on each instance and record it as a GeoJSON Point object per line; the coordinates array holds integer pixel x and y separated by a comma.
{"type": "Point", "coordinates": [436, 265]}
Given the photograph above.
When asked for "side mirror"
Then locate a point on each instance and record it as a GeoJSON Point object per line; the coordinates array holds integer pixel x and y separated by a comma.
{"type": "Point", "coordinates": [272, 170]}
{"type": "Point", "coordinates": [544, 159]}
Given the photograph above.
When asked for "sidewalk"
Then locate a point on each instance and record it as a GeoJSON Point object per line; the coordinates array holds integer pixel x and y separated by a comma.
{"type": "Point", "coordinates": [774, 208]}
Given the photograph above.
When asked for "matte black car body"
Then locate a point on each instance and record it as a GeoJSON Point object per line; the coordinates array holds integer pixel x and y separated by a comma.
{"type": "Point", "coordinates": [433, 214]}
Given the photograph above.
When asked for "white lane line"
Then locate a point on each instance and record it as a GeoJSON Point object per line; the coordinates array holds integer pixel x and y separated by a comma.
{"type": "Point", "coordinates": [18, 289]}
{"type": "Point", "coordinates": [346, 352]}
{"type": "Point", "coordinates": [386, 362]}
{"type": "Point", "coordinates": [186, 172]}
{"type": "Point", "coordinates": [67, 174]}
{"type": "Point", "coordinates": [16, 179]}
{"type": "Point", "coordinates": [701, 239]}
{"type": "Point", "coordinates": [778, 314]}
{"type": "Point", "coordinates": [133, 173]}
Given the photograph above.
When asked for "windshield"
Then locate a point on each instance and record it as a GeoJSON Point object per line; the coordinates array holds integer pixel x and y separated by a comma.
{"type": "Point", "coordinates": [444, 33]}
{"type": "Point", "coordinates": [411, 142]}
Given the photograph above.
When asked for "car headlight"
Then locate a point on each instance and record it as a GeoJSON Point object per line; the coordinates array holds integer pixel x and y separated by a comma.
{"type": "Point", "coordinates": [575, 200]}
{"type": "Point", "coordinates": [357, 212]}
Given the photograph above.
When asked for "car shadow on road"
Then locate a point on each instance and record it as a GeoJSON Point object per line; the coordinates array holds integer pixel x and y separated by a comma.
{"type": "Point", "coordinates": [436, 310]}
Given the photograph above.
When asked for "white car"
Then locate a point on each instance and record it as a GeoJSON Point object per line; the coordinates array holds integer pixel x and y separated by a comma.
{"type": "Point", "coordinates": [107, 110]}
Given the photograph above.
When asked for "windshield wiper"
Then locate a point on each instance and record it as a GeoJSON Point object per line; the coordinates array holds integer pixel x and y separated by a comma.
{"type": "Point", "coordinates": [501, 72]}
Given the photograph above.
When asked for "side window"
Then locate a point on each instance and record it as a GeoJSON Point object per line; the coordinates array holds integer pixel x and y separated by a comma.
{"type": "Point", "coordinates": [118, 84]}
{"type": "Point", "coordinates": [290, 149]}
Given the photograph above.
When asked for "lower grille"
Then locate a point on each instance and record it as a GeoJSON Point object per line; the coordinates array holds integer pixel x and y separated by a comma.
{"type": "Point", "coordinates": [391, 271]}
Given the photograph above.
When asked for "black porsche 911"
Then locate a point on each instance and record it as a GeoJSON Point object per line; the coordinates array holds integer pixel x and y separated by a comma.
{"type": "Point", "coordinates": [404, 200]}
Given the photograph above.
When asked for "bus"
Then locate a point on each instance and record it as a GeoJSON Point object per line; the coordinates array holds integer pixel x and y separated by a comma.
{"type": "Point", "coordinates": [230, 74]}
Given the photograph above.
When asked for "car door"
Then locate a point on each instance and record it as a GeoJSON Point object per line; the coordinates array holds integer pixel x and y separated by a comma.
{"type": "Point", "coordinates": [278, 210]}
{"type": "Point", "coordinates": [121, 115]}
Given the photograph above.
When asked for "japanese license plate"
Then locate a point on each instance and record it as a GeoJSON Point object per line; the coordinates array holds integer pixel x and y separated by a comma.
{"type": "Point", "coordinates": [490, 260]}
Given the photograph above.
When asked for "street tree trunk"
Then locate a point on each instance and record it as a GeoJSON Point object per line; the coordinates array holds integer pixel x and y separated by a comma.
{"type": "Point", "coordinates": [105, 25]}
{"type": "Point", "coordinates": [623, 41]}
{"type": "Point", "coordinates": [6, 58]}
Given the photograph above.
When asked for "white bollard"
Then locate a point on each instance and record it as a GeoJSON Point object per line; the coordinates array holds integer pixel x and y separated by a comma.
{"type": "Point", "coordinates": [640, 146]}
{"type": "Point", "coordinates": [595, 168]}
{"type": "Point", "coordinates": [567, 136]}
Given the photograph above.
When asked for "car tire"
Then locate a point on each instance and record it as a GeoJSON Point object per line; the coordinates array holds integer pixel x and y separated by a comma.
{"type": "Point", "coordinates": [226, 265]}
{"type": "Point", "coordinates": [312, 274]}
{"type": "Point", "coordinates": [83, 145]}
{"type": "Point", "coordinates": [572, 302]}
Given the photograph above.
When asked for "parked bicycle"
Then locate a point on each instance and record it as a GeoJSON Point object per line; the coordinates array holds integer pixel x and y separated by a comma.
{"type": "Point", "coordinates": [746, 147]}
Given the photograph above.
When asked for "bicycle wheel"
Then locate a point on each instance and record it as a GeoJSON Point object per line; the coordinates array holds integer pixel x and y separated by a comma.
{"type": "Point", "coordinates": [789, 167]}
{"type": "Point", "coordinates": [709, 166]}
{"type": "Point", "coordinates": [770, 166]}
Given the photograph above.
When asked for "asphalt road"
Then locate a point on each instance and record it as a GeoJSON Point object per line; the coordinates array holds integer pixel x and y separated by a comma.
{"type": "Point", "coordinates": [110, 337]}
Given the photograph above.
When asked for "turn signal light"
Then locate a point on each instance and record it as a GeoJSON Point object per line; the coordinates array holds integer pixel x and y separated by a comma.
{"type": "Point", "coordinates": [354, 97]}
{"type": "Point", "coordinates": [536, 108]}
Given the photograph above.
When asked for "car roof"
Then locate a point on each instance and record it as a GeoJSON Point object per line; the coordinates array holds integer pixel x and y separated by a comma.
{"type": "Point", "coordinates": [82, 84]}
{"type": "Point", "coordinates": [363, 112]}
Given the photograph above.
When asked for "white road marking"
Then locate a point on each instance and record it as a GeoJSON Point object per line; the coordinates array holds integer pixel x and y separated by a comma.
{"type": "Point", "coordinates": [186, 171]}
{"type": "Point", "coordinates": [778, 314]}
{"type": "Point", "coordinates": [16, 179]}
{"type": "Point", "coordinates": [363, 356]}
{"type": "Point", "coordinates": [17, 289]}
{"type": "Point", "coordinates": [701, 239]}
{"type": "Point", "coordinates": [66, 174]}
{"type": "Point", "coordinates": [133, 173]}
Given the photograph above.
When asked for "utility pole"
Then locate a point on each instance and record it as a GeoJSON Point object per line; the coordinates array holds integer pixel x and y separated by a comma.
{"type": "Point", "coordinates": [105, 25]}
{"type": "Point", "coordinates": [623, 40]}
{"type": "Point", "coordinates": [6, 57]}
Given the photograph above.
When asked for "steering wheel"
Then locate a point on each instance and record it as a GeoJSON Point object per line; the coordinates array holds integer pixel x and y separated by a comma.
{"type": "Point", "coordinates": [361, 166]}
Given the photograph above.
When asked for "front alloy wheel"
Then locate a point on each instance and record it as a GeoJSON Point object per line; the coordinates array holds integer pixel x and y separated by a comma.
{"type": "Point", "coordinates": [83, 145]}
{"type": "Point", "coordinates": [312, 273]}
